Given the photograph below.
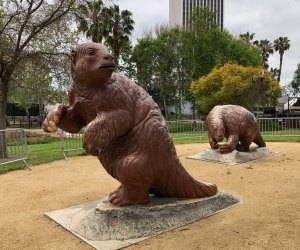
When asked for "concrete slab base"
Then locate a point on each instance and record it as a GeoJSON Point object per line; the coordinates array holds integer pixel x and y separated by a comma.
{"type": "Point", "coordinates": [233, 158]}
{"type": "Point", "coordinates": [105, 226]}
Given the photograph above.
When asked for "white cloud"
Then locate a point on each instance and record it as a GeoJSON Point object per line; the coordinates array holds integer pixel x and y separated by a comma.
{"type": "Point", "coordinates": [146, 14]}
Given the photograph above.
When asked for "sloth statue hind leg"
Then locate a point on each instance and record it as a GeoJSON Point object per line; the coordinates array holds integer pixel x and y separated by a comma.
{"type": "Point", "coordinates": [244, 145]}
{"type": "Point", "coordinates": [135, 183]}
{"type": "Point", "coordinates": [259, 141]}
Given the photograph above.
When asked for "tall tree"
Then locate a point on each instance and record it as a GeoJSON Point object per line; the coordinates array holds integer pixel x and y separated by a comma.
{"type": "Point", "coordinates": [120, 26]}
{"type": "Point", "coordinates": [92, 18]}
{"type": "Point", "coordinates": [202, 19]}
{"type": "Point", "coordinates": [165, 61]}
{"type": "Point", "coordinates": [267, 49]}
{"type": "Point", "coordinates": [143, 56]}
{"type": "Point", "coordinates": [155, 62]}
{"type": "Point", "coordinates": [295, 84]}
{"type": "Point", "coordinates": [234, 84]}
{"type": "Point", "coordinates": [35, 82]}
{"type": "Point", "coordinates": [45, 76]}
{"type": "Point", "coordinates": [194, 53]}
{"type": "Point", "coordinates": [22, 23]}
{"type": "Point", "coordinates": [281, 44]}
{"type": "Point", "coordinates": [127, 65]}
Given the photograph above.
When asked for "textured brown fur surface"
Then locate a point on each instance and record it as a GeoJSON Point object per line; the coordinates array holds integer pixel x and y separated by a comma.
{"type": "Point", "coordinates": [124, 129]}
{"type": "Point", "coordinates": [235, 123]}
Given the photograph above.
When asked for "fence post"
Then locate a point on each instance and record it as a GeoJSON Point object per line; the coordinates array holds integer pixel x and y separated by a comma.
{"type": "Point", "coordinates": [3, 153]}
{"type": "Point", "coordinates": [13, 147]}
{"type": "Point", "coordinates": [72, 142]}
{"type": "Point", "coordinates": [61, 136]}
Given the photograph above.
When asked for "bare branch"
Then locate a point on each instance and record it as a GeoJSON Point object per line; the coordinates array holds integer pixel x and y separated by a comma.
{"type": "Point", "coordinates": [23, 26]}
{"type": "Point", "coordinates": [32, 55]}
{"type": "Point", "coordinates": [37, 7]}
{"type": "Point", "coordinates": [51, 19]}
{"type": "Point", "coordinates": [9, 20]}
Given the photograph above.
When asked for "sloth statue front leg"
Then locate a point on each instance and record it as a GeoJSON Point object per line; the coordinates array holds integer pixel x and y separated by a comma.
{"type": "Point", "coordinates": [231, 144]}
{"type": "Point", "coordinates": [104, 128]}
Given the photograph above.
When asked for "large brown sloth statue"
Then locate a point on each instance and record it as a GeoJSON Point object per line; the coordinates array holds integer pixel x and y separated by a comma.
{"type": "Point", "coordinates": [235, 123]}
{"type": "Point", "coordinates": [124, 129]}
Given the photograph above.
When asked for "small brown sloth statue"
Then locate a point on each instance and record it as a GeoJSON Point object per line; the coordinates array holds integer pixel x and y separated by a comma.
{"type": "Point", "coordinates": [124, 129]}
{"type": "Point", "coordinates": [235, 123]}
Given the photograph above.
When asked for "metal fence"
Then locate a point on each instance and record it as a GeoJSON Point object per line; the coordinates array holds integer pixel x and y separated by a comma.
{"type": "Point", "coordinates": [281, 126]}
{"type": "Point", "coordinates": [70, 142]}
{"type": "Point", "coordinates": [276, 126]}
{"type": "Point", "coordinates": [185, 129]}
{"type": "Point", "coordinates": [178, 129]}
{"type": "Point", "coordinates": [13, 147]}
{"type": "Point", "coordinates": [189, 129]}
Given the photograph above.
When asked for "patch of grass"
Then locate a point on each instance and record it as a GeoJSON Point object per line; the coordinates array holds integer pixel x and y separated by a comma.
{"type": "Point", "coordinates": [40, 154]}
{"type": "Point", "coordinates": [46, 149]}
{"type": "Point", "coordinates": [282, 138]}
{"type": "Point", "coordinates": [41, 140]}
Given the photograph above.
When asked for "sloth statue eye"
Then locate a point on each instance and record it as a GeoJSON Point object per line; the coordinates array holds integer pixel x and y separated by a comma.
{"type": "Point", "coordinates": [91, 52]}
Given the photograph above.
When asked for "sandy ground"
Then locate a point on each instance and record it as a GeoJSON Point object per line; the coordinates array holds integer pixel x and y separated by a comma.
{"type": "Point", "coordinates": [268, 218]}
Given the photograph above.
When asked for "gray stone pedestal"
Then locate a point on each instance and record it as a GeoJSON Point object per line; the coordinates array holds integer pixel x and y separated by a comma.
{"type": "Point", "coordinates": [104, 226]}
{"type": "Point", "coordinates": [233, 158]}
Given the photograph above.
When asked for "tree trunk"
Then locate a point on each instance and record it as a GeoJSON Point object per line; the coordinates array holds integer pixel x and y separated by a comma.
{"type": "Point", "coordinates": [3, 103]}
{"type": "Point", "coordinates": [116, 56]}
{"type": "Point", "coordinates": [41, 111]}
{"type": "Point", "coordinates": [180, 105]}
{"type": "Point", "coordinates": [280, 67]}
{"type": "Point", "coordinates": [179, 111]}
{"type": "Point", "coordinates": [166, 108]}
{"type": "Point", "coordinates": [194, 109]}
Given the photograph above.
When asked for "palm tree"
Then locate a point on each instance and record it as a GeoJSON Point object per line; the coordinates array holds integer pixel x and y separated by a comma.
{"type": "Point", "coordinates": [120, 26]}
{"type": "Point", "coordinates": [274, 73]}
{"type": "Point", "coordinates": [281, 44]}
{"type": "Point", "coordinates": [247, 37]}
{"type": "Point", "coordinates": [266, 48]}
{"type": "Point", "coordinates": [92, 18]}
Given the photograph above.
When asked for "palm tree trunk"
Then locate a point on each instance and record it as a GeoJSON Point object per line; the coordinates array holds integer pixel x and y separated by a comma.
{"type": "Point", "coordinates": [280, 67]}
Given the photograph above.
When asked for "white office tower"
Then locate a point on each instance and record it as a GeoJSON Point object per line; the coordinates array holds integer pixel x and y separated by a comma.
{"type": "Point", "coordinates": [181, 10]}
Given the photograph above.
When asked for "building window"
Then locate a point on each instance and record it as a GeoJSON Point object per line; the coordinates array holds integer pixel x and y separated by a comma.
{"type": "Point", "coordinates": [213, 5]}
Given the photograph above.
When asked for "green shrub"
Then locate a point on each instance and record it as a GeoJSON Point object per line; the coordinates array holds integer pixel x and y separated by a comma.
{"type": "Point", "coordinates": [41, 140]}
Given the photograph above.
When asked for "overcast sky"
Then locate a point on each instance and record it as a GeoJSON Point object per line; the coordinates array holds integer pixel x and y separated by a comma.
{"type": "Point", "coordinates": [268, 19]}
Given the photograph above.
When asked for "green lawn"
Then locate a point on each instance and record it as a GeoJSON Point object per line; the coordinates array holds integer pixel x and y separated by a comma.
{"type": "Point", "coordinates": [268, 138]}
{"type": "Point", "coordinates": [39, 154]}
{"type": "Point", "coordinates": [51, 151]}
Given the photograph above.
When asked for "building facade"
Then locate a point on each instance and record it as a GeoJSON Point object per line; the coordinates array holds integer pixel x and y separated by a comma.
{"type": "Point", "coordinates": [180, 11]}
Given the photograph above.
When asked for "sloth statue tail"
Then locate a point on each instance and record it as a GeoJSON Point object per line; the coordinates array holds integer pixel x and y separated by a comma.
{"type": "Point", "coordinates": [177, 182]}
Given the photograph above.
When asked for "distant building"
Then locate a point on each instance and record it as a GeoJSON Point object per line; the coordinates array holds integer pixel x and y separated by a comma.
{"type": "Point", "coordinates": [292, 106]}
{"type": "Point", "coordinates": [181, 10]}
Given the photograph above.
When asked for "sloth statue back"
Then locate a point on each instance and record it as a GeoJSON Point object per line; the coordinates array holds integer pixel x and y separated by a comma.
{"type": "Point", "coordinates": [235, 123]}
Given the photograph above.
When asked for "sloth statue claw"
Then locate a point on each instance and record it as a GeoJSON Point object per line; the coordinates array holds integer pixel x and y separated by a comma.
{"type": "Point", "coordinates": [235, 123]}
{"type": "Point", "coordinates": [124, 129]}
{"type": "Point", "coordinates": [52, 119]}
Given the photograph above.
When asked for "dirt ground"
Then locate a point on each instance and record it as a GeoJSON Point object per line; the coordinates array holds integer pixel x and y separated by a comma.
{"type": "Point", "coordinates": [267, 218]}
